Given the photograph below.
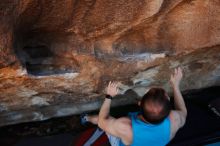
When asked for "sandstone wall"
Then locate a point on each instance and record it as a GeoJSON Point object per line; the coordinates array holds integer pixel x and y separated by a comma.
{"type": "Point", "coordinates": [56, 56]}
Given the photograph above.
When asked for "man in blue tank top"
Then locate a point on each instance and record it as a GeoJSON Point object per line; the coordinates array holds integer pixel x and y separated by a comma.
{"type": "Point", "coordinates": [155, 125]}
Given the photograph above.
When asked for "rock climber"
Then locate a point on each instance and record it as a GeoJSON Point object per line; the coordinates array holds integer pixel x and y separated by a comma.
{"type": "Point", "coordinates": [154, 125]}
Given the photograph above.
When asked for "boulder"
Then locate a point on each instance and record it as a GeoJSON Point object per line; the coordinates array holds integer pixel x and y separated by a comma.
{"type": "Point", "coordinates": [56, 57]}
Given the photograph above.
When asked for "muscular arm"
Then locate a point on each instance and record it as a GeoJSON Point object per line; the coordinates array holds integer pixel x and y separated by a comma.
{"type": "Point", "coordinates": [104, 111]}
{"type": "Point", "coordinates": [179, 104]}
{"type": "Point", "coordinates": [116, 127]}
{"type": "Point", "coordinates": [106, 119]}
{"type": "Point", "coordinates": [177, 116]}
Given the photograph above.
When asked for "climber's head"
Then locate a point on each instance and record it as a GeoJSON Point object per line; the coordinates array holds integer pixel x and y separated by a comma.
{"type": "Point", "coordinates": [155, 105]}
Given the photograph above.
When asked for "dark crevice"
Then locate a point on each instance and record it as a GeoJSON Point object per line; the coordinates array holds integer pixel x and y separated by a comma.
{"type": "Point", "coordinates": [43, 70]}
{"type": "Point", "coordinates": [35, 52]}
{"type": "Point", "coordinates": [39, 61]}
{"type": "Point", "coordinates": [38, 51]}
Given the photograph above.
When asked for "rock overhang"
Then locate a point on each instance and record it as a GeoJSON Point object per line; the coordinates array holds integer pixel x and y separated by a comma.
{"type": "Point", "coordinates": [58, 56]}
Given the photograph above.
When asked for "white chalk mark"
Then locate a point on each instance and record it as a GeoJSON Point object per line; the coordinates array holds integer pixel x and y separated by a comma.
{"type": "Point", "coordinates": [147, 57]}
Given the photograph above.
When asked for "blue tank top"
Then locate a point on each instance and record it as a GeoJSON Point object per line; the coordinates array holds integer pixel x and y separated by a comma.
{"type": "Point", "coordinates": [148, 134]}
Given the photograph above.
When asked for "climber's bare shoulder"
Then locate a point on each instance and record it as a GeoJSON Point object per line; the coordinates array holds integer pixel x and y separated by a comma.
{"type": "Point", "coordinates": [120, 127]}
{"type": "Point", "coordinates": [124, 128]}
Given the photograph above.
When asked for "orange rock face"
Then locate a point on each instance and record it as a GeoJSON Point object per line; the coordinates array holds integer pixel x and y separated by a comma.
{"type": "Point", "coordinates": [57, 56]}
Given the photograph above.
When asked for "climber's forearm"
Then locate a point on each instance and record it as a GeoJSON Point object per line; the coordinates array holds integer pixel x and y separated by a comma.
{"type": "Point", "coordinates": [104, 111]}
{"type": "Point", "coordinates": [178, 100]}
{"type": "Point", "coordinates": [105, 121]}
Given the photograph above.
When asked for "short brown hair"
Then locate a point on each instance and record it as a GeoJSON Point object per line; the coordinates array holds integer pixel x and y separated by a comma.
{"type": "Point", "coordinates": [155, 96]}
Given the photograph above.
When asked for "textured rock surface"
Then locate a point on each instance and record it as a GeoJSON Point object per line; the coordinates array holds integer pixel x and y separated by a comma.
{"type": "Point", "coordinates": [57, 56]}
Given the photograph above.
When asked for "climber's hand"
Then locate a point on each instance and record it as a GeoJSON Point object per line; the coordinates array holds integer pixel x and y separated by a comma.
{"type": "Point", "coordinates": [112, 88]}
{"type": "Point", "coordinates": [176, 77]}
